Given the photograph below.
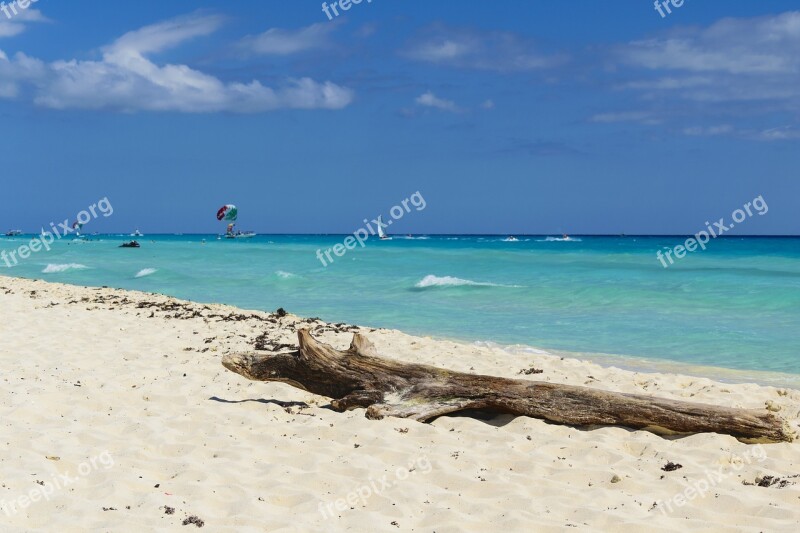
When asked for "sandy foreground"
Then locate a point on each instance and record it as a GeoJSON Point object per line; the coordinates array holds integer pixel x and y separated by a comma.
{"type": "Point", "coordinates": [116, 415]}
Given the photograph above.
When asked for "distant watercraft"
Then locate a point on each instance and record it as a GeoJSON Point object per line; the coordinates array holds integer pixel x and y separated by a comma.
{"type": "Point", "coordinates": [230, 213]}
{"type": "Point", "coordinates": [13, 233]}
{"type": "Point", "coordinates": [511, 238]}
{"type": "Point", "coordinates": [132, 244]}
{"type": "Point", "coordinates": [137, 233]}
{"type": "Point", "coordinates": [240, 235]}
{"type": "Point", "coordinates": [231, 234]}
{"type": "Point", "coordinates": [381, 235]}
{"type": "Point", "coordinates": [564, 238]}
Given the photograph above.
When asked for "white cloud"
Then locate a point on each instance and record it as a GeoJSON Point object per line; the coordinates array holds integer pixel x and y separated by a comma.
{"type": "Point", "coordinates": [736, 46]}
{"type": "Point", "coordinates": [498, 51]}
{"type": "Point", "coordinates": [754, 59]}
{"type": "Point", "coordinates": [440, 51]}
{"type": "Point", "coordinates": [16, 24]}
{"type": "Point", "coordinates": [641, 117]}
{"type": "Point", "coordinates": [126, 80]}
{"type": "Point", "coordinates": [488, 104]}
{"type": "Point", "coordinates": [431, 100]}
{"type": "Point", "coordinates": [709, 131]}
{"type": "Point", "coordinates": [783, 133]}
{"type": "Point", "coordinates": [278, 41]}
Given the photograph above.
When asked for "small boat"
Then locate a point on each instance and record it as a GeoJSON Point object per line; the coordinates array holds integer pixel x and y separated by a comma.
{"type": "Point", "coordinates": [230, 213]}
{"type": "Point", "coordinates": [13, 233]}
{"type": "Point", "coordinates": [137, 233]}
{"type": "Point", "coordinates": [132, 244]}
{"type": "Point", "coordinates": [240, 235]}
{"type": "Point", "coordinates": [510, 238]}
{"type": "Point", "coordinates": [230, 234]}
{"type": "Point", "coordinates": [381, 235]}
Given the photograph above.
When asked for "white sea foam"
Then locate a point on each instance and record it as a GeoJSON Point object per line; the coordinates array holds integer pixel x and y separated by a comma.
{"type": "Point", "coordinates": [449, 281]}
{"type": "Point", "coordinates": [55, 268]}
{"type": "Point", "coordinates": [513, 349]}
{"type": "Point", "coordinates": [285, 275]}
{"type": "Point", "coordinates": [146, 272]}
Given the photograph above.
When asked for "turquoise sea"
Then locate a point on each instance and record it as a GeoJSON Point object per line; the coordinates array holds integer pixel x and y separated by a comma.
{"type": "Point", "coordinates": [734, 306]}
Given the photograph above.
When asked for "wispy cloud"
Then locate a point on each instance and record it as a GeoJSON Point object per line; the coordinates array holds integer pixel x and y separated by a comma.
{"type": "Point", "coordinates": [126, 80]}
{"type": "Point", "coordinates": [19, 23]}
{"type": "Point", "coordinates": [277, 41]}
{"type": "Point", "coordinates": [429, 99]}
{"type": "Point", "coordinates": [781, 133]}
{"type": "Point", "coordinates": [641, 117]}
{"type": "Point", "coordinates": [709, 131]}
{"type": "Point", "coordinates": [541, 148]}
{"type": "Point", "coordinates": [471, 49]}
{"type": "Point", "coordinates": [754, 59]}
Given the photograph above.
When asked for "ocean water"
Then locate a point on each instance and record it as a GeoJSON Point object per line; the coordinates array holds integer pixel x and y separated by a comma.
{"type": "Point", "coordinates": [735, 305]}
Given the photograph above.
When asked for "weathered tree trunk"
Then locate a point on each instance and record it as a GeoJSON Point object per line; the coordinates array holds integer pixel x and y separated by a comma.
{"type": "Point", "coordinates": [358, 377]}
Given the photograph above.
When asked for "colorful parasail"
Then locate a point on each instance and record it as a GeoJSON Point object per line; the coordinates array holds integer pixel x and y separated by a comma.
{"type": "Point", "coordinates": [228, 213]}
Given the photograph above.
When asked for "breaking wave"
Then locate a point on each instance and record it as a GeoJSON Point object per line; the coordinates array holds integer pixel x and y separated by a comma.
{"type": "Point", "coordinates": [53, 269]}
{"type": "Point", "coordinates": [449, 281]}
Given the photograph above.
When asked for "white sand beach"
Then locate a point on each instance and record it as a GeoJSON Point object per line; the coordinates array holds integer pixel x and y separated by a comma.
{"type": "Point", "coordinates": [118, 416]}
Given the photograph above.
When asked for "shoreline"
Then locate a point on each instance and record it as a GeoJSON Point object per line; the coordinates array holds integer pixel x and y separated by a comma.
{"type": "Point", "coordinates": [650, 365]}
{"type": "Point", "coordinates": [632, 363]}
{"type": "Point", "coordinates": [125, 391]}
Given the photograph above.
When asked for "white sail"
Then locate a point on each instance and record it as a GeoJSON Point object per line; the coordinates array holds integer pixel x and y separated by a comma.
{"type": "Point", "coordinates": [381, 234]}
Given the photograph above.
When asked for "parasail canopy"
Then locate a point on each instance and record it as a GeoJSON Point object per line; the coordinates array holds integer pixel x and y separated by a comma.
{"type": "Point", "coordinates": [228, 213]}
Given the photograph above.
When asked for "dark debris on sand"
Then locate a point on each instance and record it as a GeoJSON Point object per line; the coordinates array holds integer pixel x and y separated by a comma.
{"type": "Point", "coordinates": [194, 520]}
{"type": "Point", "coordinates": [772, 481]}
{"type": "Point", "coordinates": [529, 371]}
{"type": "Point", "coordinates": [177, 310]}
{"type": "Point", "coordinates": [671, 467]}
{"type": "Point", "coordinates": [264, 343]}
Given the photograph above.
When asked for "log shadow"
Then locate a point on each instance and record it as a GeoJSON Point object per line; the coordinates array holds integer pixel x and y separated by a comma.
{"type": "Point", "coordinates": [262, 400]}
{"type": "Point", "coordinates": [492, 417]}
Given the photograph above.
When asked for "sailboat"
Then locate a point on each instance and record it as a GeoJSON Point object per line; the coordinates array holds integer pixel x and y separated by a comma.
{"type": "Point", "coordinates": [79, 237]}
{"type": "Point", "coordinates": [381, 235]}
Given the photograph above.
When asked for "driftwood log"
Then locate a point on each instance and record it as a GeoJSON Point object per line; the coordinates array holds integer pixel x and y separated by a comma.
{"type": "Point", "coordinates": [358, 377]}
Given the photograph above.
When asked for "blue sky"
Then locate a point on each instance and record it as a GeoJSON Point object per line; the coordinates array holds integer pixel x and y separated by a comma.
{"type": "Point", "coordinates": [508, 117]}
